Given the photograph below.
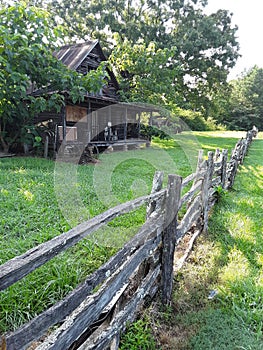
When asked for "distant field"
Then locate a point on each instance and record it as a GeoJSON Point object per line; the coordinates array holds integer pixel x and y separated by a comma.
{"type": "Point", "coordinates": [33, 210]}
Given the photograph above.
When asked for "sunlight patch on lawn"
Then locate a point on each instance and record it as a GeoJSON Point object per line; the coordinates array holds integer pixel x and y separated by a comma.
{"type": "Point", "coordinates": [4, 192]}
{"type": "Point", "coordinates": [222, 133]}
{"type": "Point", "coordinates": [259, 280]}
{"type": "Point", "coordinates": [20, 171]}
{"type": "Point", "coordinates": [237, 269]}
{"type": "Point", "coordinates": [29, 196]}
{"type": "Point", "coordinates": [239, 225]}
{"type": "Point", "coordinates": [260, 260]}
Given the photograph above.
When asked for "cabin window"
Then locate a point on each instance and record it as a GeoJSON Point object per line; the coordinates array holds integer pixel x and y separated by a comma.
{"type": "Point", "coordinates": [71, 133]}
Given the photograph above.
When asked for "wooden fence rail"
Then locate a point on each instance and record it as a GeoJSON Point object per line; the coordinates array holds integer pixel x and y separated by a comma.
{"type": "Point", "coordinates": [94, 314]}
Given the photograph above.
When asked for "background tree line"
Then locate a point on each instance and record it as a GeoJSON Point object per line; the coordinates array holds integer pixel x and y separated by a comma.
{"type": "Point", "coordinates": [165, 52]}
{"type": "Point", "coordinates": [244, 108]}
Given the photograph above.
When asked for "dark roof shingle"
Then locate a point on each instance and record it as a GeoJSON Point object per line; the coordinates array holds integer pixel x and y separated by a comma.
{"type": "Point", "coordinates": [73, 55]}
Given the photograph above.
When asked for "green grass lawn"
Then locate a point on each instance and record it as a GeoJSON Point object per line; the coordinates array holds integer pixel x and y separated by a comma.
{"type": "Point", "coordinates": [41, 199]}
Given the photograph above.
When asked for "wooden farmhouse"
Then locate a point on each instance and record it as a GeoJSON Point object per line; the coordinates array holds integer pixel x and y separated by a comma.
{"type": "Point", "coordinates": [100, 120]}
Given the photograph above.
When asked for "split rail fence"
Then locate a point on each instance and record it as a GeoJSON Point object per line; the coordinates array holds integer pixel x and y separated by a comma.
{"type": "Point", "coordinates": [94, 314]}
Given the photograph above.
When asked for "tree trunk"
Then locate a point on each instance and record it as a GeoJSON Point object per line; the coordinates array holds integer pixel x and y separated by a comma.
{"type": "Point", "coordinates": [4, 144]}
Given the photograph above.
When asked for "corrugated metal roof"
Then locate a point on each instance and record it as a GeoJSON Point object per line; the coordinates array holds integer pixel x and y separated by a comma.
{"type": "Point", "coordinates": [73, 55]}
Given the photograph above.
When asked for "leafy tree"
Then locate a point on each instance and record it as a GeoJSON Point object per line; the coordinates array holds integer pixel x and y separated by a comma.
{"type": "Point", "coordinates": [207, 50]}
{"type": "Point", "coordinates": [245, 107]}
{"type": "Point", "coordinates": [206, 44]}
{"type": "Point", "coordinates": [26, 62]}
{"type": "Point", "coordinates": [146, 72]}
{"type": "Point", "coordinates": [143, 19]}
{"type": "Point", "coordinates": [198, 49]}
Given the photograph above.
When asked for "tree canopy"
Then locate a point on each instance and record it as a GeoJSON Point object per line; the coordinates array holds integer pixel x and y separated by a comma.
{"type": "Point", "coordinates": [27, 42]}
{"type": "Point", "coordinates": [206, 45]}
{"type": "Point", "coordinates": [145, 71]}
{"type": "Point", "coordinates": [165, 52]}
{"type": "Point", "coordinates": [245, 105]}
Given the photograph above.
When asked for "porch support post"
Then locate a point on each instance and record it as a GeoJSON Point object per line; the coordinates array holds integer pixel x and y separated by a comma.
{"type": "Point", "coordinates": [88, 131]}
{"type": "Point", "coordinates": [125, 124]}
{"type": "Point", "coordinates": [64, 123]}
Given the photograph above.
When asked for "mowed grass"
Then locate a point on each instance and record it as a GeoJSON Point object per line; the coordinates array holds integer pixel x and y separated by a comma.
{"type": "Point", "coordinates": [41, 199]}
{"type": "Point", "coordinates": [218, 295]}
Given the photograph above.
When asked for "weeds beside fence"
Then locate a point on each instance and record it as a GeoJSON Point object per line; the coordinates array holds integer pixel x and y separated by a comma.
{"type": "Point", "coordinates": [94, 314]}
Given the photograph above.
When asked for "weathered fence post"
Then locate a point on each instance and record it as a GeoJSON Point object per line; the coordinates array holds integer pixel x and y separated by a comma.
{"type": "Point", "coordinates": [114, 345]}
{"type": "Point", "coordinates": [217, 154]}
{"type": "Point", "coordinates": [233, 164]}
{"type": "Point", "coordinates": [238, 155]}
{"type": "Point", "coordinates": [173, 196]}
{"type": "Point", "coordinates": [249, 137]}
{"type": "Point", "coordinates": [46, 146]}
{"type": "Point", "coordinates": [224, 167]}
{"type": "Point", "coordinates": [199, 165]}
{"type": "Point", "coordinates": [254, 131]}
{"type": "Point", "coordinates": [205, 188]}
{"type": "Point", "coordinates": [246, 145]}
{"type": "Point", "coordinates": [156, 186]}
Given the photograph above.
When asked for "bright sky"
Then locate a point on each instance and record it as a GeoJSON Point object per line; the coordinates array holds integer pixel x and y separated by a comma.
{"type": "Point", "coordinates": [247, 15]}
